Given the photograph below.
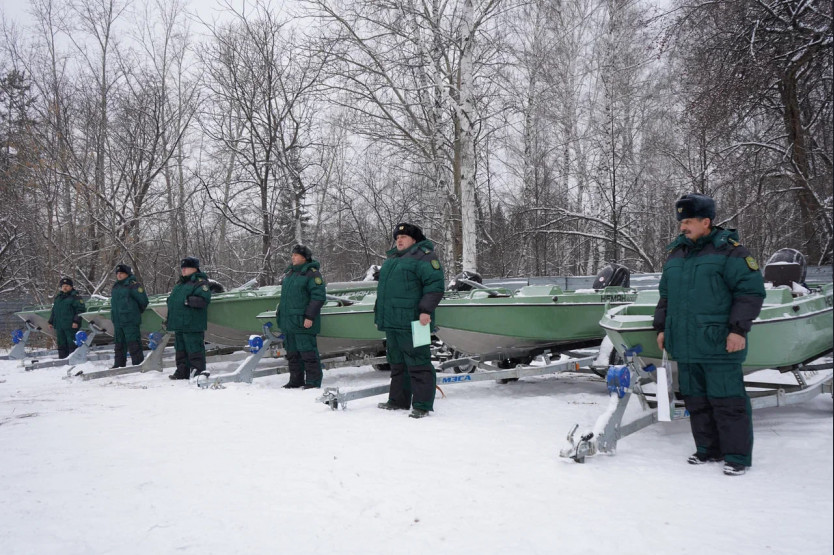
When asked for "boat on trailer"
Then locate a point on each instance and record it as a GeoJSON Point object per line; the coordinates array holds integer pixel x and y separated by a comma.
{"type": "Point", "coordinates": [233, 315]}
{"type": "Point", "coordinates": [794, 326]}
{"type": "Point", "coordinates": [514, 326]}
{"type": "Point", "coordinates": [37, 318]}
{"type": "Point", "coordinates": [347, 323]}
{"type": "Point", "coordinates": [100, 318]}
{"type": "Point", "coordinates": [794, 335]}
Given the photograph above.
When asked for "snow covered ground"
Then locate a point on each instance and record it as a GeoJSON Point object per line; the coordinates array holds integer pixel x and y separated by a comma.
{"type": "Point", "coordinates": [141, 464]}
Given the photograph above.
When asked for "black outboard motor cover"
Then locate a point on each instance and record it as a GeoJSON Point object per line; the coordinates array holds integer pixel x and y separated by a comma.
{"type": "Point", "coordinates": [457, 285]}
{"type": "Point", "coordinates": [786, 266]}
{"type": "Point", "coordinates": [216, 286]}
{"type": "Point", "coordinates": [612, 275]}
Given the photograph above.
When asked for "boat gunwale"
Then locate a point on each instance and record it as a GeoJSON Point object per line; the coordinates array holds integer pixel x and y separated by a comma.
{"type": "Point", "coordinates": [756, 322]}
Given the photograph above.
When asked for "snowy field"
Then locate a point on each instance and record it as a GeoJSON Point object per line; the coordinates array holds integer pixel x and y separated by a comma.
{"type": "Point", "coordinates": [141, 464]}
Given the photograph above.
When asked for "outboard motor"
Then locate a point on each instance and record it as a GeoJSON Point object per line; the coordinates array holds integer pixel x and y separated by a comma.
{"type": "Point", "coordinates": [372, 274]}
{"type": "Point", "coordinates": [785, 267]}
{"type": "Point", "coordinates": [458, 285]}
{"type": "Point", "coordinates": [216, 286]}
{"type": "Point", "coordinates": [612, 275]}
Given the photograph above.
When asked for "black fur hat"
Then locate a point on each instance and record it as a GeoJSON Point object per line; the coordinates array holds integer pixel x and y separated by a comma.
{"type": "Point", "coordinates": [695, 205]}
{"type": "Point", "coordinates": [190, 262]}
{"type": "Point", "coordinates": [303, 251]}
{"type": "Point", "coordinates": [124, 268]}
{"type": "Point", "coordinates": [409, 229]}
{"type": "Point", "coordinates": [66, 281]}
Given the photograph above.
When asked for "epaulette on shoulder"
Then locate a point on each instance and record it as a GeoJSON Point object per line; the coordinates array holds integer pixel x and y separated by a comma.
{"type": "Point", "coordinates": [733, 242]}
{"type": "Point", "coordinates": [426, 250]}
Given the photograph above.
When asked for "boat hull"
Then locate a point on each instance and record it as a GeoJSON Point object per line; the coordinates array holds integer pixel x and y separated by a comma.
{"type": "Point", "coordinates": [232, 317]}
{"type": "Point", "coordinates": [151, 321]}
{"type": "Point", "coordinates": [347, 329]}
{"type": "Point", "coordinates": [39, 318]}
{"type": "Point", "coordinates": [536, 318]}
{"type": "Point", "coordinates": [781, 337]}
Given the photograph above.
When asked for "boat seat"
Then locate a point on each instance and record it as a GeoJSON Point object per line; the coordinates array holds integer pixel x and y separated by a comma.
{"type": "Point", "coordinates": [779, 295]}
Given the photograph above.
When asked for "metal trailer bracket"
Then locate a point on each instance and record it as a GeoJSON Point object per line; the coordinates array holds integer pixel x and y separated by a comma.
{"type": "Point", "coordinates": [334, 398]}
{"type": "Point", "coordinates": [625, 381]}
{"type": "Point", "coordinates": [152, 362]}
{"type": "Point", "coordinates": [19, 338]}
{"type": "Point", "coordinates": [247, 370]}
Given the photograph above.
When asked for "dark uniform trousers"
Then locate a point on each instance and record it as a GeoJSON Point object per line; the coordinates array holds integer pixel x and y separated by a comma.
{"type": "Point", "coordinates": [303, 358]}
{"type": "Point", "coordinates": [65, 337]}
{"type": "Point", "coordinates": [127, 336]}
{"type": "Point", "coordinates": [189, 353]}
{"type": "Point", "coordinates": [719, 410]}
{"type": "Point", "coordinates": [413, 377]}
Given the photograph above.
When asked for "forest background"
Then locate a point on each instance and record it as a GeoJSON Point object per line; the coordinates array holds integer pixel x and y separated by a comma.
{"type": "Point", "coordinates": [527, 137]}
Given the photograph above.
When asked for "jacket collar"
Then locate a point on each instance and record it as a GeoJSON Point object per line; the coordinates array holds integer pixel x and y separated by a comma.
{"type": "Point", "coordinates": [425, 243]}
{"type": "Point", "coordinates": [301, 268]}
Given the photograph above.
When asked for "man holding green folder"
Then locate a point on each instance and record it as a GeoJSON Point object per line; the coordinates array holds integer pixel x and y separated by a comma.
{"type": "Point", "coordinates": [410, 288]}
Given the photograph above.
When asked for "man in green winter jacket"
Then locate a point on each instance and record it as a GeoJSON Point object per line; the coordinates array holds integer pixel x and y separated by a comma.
{"type": "Point", "coordinates": [187, 317]}
{"type": "Point", "coordinates": [410, 287]}
{"type": "Point", "coordinates": [711, 290]}
{"type": "Point", "coordinates": [303, 293]}
{"type": "Point", "coordinates": [65, 318]}
{"type": "Point", "coordinates": [128, 301]}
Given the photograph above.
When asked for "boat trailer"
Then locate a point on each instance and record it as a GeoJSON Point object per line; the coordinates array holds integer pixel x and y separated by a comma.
{"type": "Point", "coordinates": [84, 352]}
{"type": "Point", "coordinates": [19, 339]}
{"type": "Point", "coordinates": [155, 361]}
{"type": "Point", "coordinates": [258, 347]}
{"type": "Point", "coordinates": [471, 369]}
{"type": "Point", "coordinates": [627, 380]}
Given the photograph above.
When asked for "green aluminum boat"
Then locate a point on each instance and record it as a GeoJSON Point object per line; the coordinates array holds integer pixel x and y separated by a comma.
{"type": "Point", "coordinates": [347, 324]}
{"type": "Point", "coordinates": [790, 329]}
{"type": "Point", "coordinates": [497, 321]}
{"type": "Point", "coordinates": [38, 317]}
{"type": "Point", "coordinates": [233, 315]}
{"type": "Point", "coordinates": [151, 322]}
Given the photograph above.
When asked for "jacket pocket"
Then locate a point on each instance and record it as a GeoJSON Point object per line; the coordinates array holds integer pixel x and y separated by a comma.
{"type": "Point", "coordinates": [711, 335]}
{"type": "Point", "coordinates": [403, 311]}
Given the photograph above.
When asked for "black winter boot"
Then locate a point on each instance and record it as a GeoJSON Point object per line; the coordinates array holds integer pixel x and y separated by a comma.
{"type": "Point", "coordinates": [296, 370]}
{"type": "Point", "coordinates": [197, 361]}
{"type": "Point", "coordinates": [120, 359]}
{"type": "Point", "coordinates": [312, 369]}
{"type": "Point", "coordinates": [136, 354]}
{"type": "Point", "coordinates": [182, 372]}
{"type": "Point", "coordinates": [399, 394]}
{"type": "Point", "coordinates": [63, 352]}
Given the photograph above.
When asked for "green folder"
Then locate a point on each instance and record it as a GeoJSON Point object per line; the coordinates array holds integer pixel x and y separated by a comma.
{"type": "Point", "coordinates": [420, 335]}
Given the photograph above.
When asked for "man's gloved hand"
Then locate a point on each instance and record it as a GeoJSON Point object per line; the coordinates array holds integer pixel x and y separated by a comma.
{"type": "Point", "coordinates": [195, 301]}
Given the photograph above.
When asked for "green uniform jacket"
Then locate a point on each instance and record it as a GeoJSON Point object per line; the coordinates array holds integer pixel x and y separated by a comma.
{"type": "Point", "coordinates": [67, 309]}
{"type": "Point", "coordinates": [708, 289]}
{"type": "Point", "coordinates": [410, 283]}
{"type": "Point", "coordinates": [128, 301]}
{"type": "Point", "coordinates": [188, 302]}
{"type": "Point", "coordinates": [303, 293]}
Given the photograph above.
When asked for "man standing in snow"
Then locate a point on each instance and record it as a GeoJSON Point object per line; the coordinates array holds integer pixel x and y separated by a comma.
{"type": "Point", "coordinates": [187, 316]}
{"type": "Point", "coordinates": [65, 318]}
{"type": "Point", "coordinates": [711, 290]}
{"type": "Point", "coordinates": [303, 293]}
{"type": "Point", "coordinates": [410, 288]}
{"type": "Point", "coordinates": [128, 301]}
